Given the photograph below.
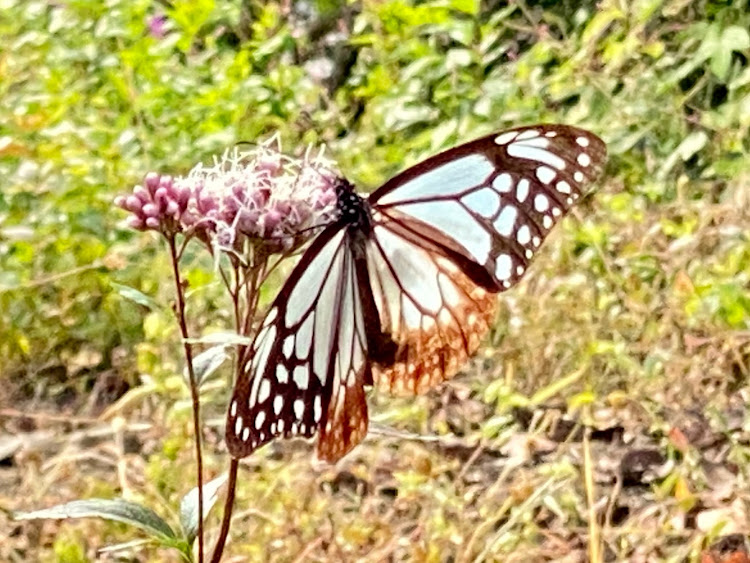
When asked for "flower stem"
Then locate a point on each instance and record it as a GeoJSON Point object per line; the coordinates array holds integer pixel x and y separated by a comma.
{"type": "Point", "coordinates": [194, 392]}
{"type": "Point", "coordinates": [226, 520]}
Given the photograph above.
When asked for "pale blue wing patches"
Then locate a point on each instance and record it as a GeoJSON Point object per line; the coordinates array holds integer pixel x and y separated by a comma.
{"type": "Point", "coordinates": [325, 309]}
{"type": "Point", "coordinates": [262, 346]}
{"type": "Point", "coordinates": [301, 299]}
{"type": "Point", "coordinates": [453, 177]}
{"type": "Point", "coordinates": [485, 202]}
{"type": "Point", "coordinates": [506, 221]}
{"type": "Point", "coordinates": [415, 272]}
{"type": "Point", "coordinates": [303, 340]}
{"type": "Point", "coordinates": [455, 222]}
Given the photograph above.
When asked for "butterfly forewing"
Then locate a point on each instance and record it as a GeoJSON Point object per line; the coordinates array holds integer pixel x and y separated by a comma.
{"type": "Point", "coordinates": [308, 360]}
{"type": "Point", "coordinates": [497, 197]}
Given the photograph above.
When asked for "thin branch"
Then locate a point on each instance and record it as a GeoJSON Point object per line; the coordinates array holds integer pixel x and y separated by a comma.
{"type": "Point", "coordinates": [226, 519]}
{"type": "Point", "coordinates": [194, 392]}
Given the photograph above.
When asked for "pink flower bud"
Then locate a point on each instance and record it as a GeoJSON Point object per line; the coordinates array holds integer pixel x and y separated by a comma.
{"type": "Point", "coordinates": [136, 223]}
{"type": "Point", "coordinates": [133, 203]}
{"type": "Point", "coordinates": [150, 210]}
{"type": "Point", "coordinates": [151, 181]}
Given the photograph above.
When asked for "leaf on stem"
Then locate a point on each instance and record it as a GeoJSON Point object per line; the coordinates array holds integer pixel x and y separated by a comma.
{"type": "Point", "coordinates": [118, 510]}
{"type": "Point", "coordinates": [189, 505]}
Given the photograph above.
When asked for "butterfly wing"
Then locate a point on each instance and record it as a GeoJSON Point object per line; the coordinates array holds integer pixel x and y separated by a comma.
{"type": "Point", "coordinates": [460, 226]}
{"type": "Point", "coordinates": [308, 361]}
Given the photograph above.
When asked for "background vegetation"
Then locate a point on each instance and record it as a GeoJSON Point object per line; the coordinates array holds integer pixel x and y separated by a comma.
{"type": "Point", "coordinates": [631, 330]}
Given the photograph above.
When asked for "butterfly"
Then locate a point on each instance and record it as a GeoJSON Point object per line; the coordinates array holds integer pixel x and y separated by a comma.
{"type": "Point", "coordinates": [398, 291]}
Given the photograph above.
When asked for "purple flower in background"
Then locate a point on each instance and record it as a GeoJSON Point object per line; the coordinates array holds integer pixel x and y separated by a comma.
{"type": "Point", "coordinates": [258, 196]}
{"type": "Point", "coordinates": [157, 26]}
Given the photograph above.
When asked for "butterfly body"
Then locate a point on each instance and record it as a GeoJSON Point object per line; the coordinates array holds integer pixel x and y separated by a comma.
{"type": "Point", "coordinates": [400, 289]}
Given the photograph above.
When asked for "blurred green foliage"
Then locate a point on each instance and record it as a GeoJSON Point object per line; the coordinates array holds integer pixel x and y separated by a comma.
{"type": "Point", "coordinates": [96, 94]}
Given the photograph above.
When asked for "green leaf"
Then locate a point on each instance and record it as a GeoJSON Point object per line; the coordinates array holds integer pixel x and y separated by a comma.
{"type": "Point", "coordinates": [132, 294]}
{"type": "Point", "coordinates": [189, 505]}
{"type": "Point", "coordinates": [719, 44]}
{"type": "Point", "coordinates": [118, 510]}
{"type": "Point", "coordinates": [208, 361]}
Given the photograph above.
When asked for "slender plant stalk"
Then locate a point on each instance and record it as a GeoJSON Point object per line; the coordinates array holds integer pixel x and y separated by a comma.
{"type": "Point", "coordinates": [226, 519]}
{"type": "Point", "coordinates": [194, 392]}
{"type": "Point", "coordinates": [595, 555]}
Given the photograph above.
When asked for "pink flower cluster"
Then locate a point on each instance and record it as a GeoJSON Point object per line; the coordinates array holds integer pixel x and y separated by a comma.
{"type": "Point", "coordinates": [259, 195]}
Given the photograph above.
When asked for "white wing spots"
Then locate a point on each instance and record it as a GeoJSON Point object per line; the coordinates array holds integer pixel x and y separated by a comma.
{"type": "Point", "coordinates": [233, 408]}
{"type": "Point", "coordinates": [529, 253]}
{"type": "Point", "coordinates": [541, 203]}
{"type": "Point", "coordinates": [536, 241]}
{"type": "Point", "coordinates": [288, 346]}
{"type": "Point", "coordinates": [271, 316]}
{"type": "Point", "coordinates": [545, 174]}
{"type": "Point", "coordinates": [301, 298]}
{"type": "Point", "coordinates": [503, 265]}
{"type": "Point", "coordinates": [531, 152]}
{"type": "Point", "coordinates": [278, 404]}
{"type": "Point", "coordinates": [265, 390]}
{"type": "Point", "coordinates": [260, 418]}
{"type": "Point", "coordinates": [303, 341]}
{"type": "Point", "coordinates": [506, 220]}
{"type": "Point", "coordinates": [523, 236]}
{"type": "Point", "coordinates": [299, 408]}
{"type": "Point", "coordinates": [458, 174]}
{"type": "Point", "coordinates": [582, 141]}
{"type": "Point", "coordinates": [520, 270]}
{"type": "Point", "coordinates": [484, 202]}
{"type": "Point", "coordinates": [317, 409]}
{"type": "Point", "coordinates": [503, 183]}
{"type": "Point", "coordinates": [539, 142]}
{"type": "Point", "coordinates": [238, 425]}
{"type": "Point", "coordinates": [282, 375]}
{"type": "Point", "coordinates": [245, 434]}
{"type": "Point", "coordinates": [528, 134]}
{"type": "Point", "coordinates": [551, 134]}
{"type": "Point", "coordinates": [416, 272]}
{"type": "Point", "coordinates": [569, 201]}
{"type": "Point", "coordinates": [263, 345]}
{"type": "Point", "coordinates": [273, 428]}
{"type": "Point", "coordinates": [505, 138]}
{"type": "Point", "coordinates": [547, 222]}
{"type": "Point", "coordinates": [281, 425]}
{"type": "Point", "coordinates": [563, 187]}
{"type": "Point", "coordinates": [301, 376]}
{"type": "Point", "coordinates": [522, 191]}
{"type": "Point", "coordinates": [584, 159]}
{"type": "Point", "coordinates": [455, 222]}
{"type": "Point", "coordinates": [556, 212]}
{"type": "Point", "coordinates": [578, 176]}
